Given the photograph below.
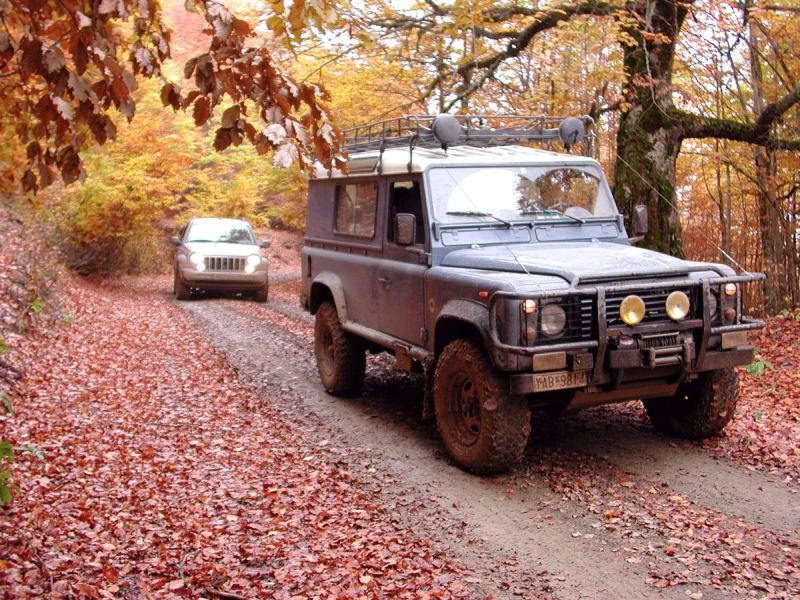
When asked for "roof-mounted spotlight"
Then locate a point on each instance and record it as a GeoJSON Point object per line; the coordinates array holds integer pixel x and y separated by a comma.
{"type": "Point", "coordinates": [446, 129]}
{"type": "Point", "coordinates": [571, 131]}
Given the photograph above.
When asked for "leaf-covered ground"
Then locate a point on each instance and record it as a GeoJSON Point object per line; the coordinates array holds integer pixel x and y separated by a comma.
{"type": "Point", "coordinates": [164, 476]}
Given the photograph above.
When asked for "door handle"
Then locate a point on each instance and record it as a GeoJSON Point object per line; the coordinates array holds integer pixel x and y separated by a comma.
{"type": "Point", "coordinates": [384, 280]}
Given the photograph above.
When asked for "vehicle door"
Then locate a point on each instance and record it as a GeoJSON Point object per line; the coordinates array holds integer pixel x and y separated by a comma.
{"type": "Point", "coordinates": [402, 268]}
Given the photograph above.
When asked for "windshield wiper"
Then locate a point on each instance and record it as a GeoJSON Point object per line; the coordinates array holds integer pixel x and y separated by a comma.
{"type": "Point", "coordinates": [209, 241]}
{"type": "Point", "coordinates": [552, 211]}
{"type": "Point", "coordinates": [475, 213]}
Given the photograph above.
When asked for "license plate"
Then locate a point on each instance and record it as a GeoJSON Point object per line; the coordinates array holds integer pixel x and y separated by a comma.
{"type": "Point", "coordinates": [543, 382]}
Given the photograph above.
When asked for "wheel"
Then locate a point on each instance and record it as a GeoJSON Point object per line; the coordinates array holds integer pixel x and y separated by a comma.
{"type": "Point", "coordinates": [483, 428]}
{"type": "Point", "coordinates": [261, 294]}
{"type": "Point", "coordinates": [181, 290]}
{"type": "Point", "coordinates": [341, 360]}
{"type": "Point", "coordinates": [698, 409]}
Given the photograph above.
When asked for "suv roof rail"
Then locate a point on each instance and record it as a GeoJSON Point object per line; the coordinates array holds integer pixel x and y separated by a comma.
{"type": "Point", "coordinates": [482, 130]}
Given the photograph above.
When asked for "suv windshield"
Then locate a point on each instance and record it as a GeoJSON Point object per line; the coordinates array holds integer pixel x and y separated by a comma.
{"type": "Point", "coordinates": [220, 230]}
{"type": "Point", "coordinates": [477, 194]}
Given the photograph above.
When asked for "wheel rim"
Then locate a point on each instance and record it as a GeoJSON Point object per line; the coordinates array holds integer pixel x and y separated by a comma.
{"type": "Point", "coordinates": [464, 405]}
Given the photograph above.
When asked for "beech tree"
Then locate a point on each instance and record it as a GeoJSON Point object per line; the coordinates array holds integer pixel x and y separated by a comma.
{"type": "Point", "coordinates": [651, 128]}
{"type": "Point", "coordinates": [69, 68]}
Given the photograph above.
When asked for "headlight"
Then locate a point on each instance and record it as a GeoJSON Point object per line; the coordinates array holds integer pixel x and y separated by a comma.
{"type": "Point", "coordinates": [677, 306]}
{"type": "Point", "coordinates": [552, 320]}
{"type": "Point", "coordinates": [197, 259]}
{"type": "Point", "coordinates": [631, 310]}
{"type": "Point", "coordinates": [713, 304]}
{"type": "Point", "coordinates": [253, 260]}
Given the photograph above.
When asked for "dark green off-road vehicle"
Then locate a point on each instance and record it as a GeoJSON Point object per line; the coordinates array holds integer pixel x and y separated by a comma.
{"type": "Point", "coordinates": [506, 275]}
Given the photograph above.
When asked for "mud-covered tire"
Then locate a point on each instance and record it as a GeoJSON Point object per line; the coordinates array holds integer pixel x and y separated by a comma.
{"type": "Point", "coordinates": [261, 294]}
{"type": "Point", "coordinates": [698, 409]}
{"type": "Point", "coordinates": [341, 360]}
{"type": "Point", "coordinates": [484, 429]}
{"type": "Point", "coordinates": [181, 290]}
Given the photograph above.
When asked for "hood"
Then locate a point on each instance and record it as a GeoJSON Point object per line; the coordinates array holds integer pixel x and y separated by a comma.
{"type": "Point", "coordinates": [221, 248]}
{"type": "Point", "coordinates": [585, 261]}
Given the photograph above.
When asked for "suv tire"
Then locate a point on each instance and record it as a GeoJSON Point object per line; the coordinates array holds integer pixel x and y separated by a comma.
{"type": "Point", "coordinates": [484, 429]}
{"type": "Point", "coordinates": [698, 409]}
{"type": "Point", "coordinates": [261, 294]}
{"type": "Point", "coordinates": [181, 290]}
{"type": "Point", "coordinates": [340, 356]}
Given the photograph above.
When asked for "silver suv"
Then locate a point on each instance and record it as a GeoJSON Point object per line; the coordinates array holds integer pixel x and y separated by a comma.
{"type": "Point", "coordinates": [506, 275]}
{"type": "Point", "coordinates": [220, 254]}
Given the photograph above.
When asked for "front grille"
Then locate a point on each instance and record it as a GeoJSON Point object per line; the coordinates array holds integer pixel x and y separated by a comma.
{"type": "Point", "coordinates": [224, 263]}
{"type": "Point", "coordinates": [654, 303]}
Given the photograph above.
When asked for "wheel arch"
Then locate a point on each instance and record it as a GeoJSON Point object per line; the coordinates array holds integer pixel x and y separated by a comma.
{"type": "Point", "coordinates": [461, 319]}
{"type": "Point", "coordinates": [328, 287]}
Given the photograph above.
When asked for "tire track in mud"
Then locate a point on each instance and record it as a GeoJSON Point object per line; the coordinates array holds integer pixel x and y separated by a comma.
{"type": "Point", "coordinates": [527, 532]}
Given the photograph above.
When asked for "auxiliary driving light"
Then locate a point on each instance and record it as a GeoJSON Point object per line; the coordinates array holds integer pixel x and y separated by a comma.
{"type": "Point", "coordinates": [677, 305]}
{"type": "Point", "coordinates": [632, 309]}
{"type": "Point", "coordinates": [248, 268]}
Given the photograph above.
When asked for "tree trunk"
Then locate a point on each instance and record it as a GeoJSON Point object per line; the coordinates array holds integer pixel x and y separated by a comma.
{"type": "Point", "coordinates": [648, 140]}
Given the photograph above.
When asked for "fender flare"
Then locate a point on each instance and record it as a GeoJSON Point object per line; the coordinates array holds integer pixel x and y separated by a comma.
{"type": "Point", "coordinates": [333, 284]}
{"type": "Point", "coordinates": [469, 312]}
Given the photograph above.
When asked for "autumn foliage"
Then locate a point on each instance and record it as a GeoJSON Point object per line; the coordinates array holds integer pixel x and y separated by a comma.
{"type": "Point", "coordinates": [68, 69]}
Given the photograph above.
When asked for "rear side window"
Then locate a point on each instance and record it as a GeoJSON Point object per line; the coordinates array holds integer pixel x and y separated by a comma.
{"type": "Point", "coordinates": [356, 206]}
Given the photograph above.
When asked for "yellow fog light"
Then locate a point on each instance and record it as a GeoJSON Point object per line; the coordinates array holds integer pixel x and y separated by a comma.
{"type": "Point", "coordinates": [632, 310]}
{"type": "Point", "coordinates": [677, 306]}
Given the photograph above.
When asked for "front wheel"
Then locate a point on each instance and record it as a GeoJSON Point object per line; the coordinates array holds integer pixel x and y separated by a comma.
{"type": "Point", "coordinates": [341, 360]}
{"type": "Point", "coordinates": [699, 409]}
{"type": "Point", "coordinates": [181, 290]}
{"type": "Point", "coordinates": [261, 294]}
{"type": "Point", "coordinates": [484, 429]}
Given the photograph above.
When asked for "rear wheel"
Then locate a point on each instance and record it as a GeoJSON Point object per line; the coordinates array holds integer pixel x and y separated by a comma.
{"type": "Point", "coordinates": [484, 429]}
{"type": "Point", "coordinates": [341, 360]}
{"type": "Point", "coordinates": [699, 409]}
{"type": "Point", "coordinates": [180, 289]}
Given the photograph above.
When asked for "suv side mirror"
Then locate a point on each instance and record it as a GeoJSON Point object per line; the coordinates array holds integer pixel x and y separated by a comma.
{"type": "Point", "coordinates": [639, 220]}
{"type": "Point", "coordinates": [175, 240]}
{"type": "Point", "coordinates": [264, 244]}
{"type": "Point", "coordinates": [405, 229]}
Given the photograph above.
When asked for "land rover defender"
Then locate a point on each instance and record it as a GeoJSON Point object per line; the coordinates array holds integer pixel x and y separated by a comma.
{"type": "Point", "coordinates": [506, 275]}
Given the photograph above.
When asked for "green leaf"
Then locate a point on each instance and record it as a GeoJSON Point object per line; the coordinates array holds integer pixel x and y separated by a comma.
{"type": "Point", "coordinates": [6, 451]}
{"type": "Point", "coordinates": [757, 414]}
{"type": "Point", "coordinates": [30, 449]}
{"type": "Point", "coordinates": [6, 402]}
{"type": "Point", "coordinates": [4, 349]}
{"type": "Point", "coordinates": [36, 306]}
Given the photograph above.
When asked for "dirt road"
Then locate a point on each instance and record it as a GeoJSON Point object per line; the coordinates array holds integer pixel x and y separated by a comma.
{"type": "Point", "coordinates": [603, 507]}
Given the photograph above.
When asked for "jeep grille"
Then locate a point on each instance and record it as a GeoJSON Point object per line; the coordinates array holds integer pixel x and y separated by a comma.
{"type": "Point", "coordinates": [654, 302]}
{"type": "Point", "coordinates": [224, 263]}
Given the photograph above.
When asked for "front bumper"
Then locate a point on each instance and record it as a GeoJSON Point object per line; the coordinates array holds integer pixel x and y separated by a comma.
{"type": "Point", "coordinates": [614, 357]}
{"type": "Point", "coordinates": [223, 280]}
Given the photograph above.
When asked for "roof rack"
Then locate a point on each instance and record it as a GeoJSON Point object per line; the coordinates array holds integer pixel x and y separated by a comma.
{"type": "Point", "coordinates": [434, 131]}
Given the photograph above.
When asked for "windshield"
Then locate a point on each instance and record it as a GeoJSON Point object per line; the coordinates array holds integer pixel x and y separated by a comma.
{"type": "Point", "coordinates": [220, 230]}
{"type": "Point", "coordinates": [465, 194]}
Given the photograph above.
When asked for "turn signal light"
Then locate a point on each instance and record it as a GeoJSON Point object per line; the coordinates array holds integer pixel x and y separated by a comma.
{"type": "Point", "coordinates": [529, 306]}
{"type": "Point", "coordinates": [677, 306]}
{"type": "Point", "coordinates": [631, 310]}
{"type": "Point", "coordinates": [729, 289]}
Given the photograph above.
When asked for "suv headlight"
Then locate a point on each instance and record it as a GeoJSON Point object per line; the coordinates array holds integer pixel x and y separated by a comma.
{"type": "Point", "coordinates": [552, 320]}
{"type": "Point", "coordinates": [253, 260]}
{"type": "Point", "coordinates": [197, 259]}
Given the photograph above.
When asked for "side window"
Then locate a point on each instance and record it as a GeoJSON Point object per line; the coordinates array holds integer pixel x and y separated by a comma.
{"type": "Point", "coordinates": [356, 205]}
{"type": "Point", "coordinates": [405, 197]}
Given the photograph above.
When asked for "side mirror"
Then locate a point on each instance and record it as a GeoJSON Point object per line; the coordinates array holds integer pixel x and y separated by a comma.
{"type": "Point", "coordinates": [639, 219]}
{"type": "Point", "coordinates": [405, 229]}
{"type": "Point", "coordinates": [264, 244]}
{"type": "Point", "coordinates": [175, 240]}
